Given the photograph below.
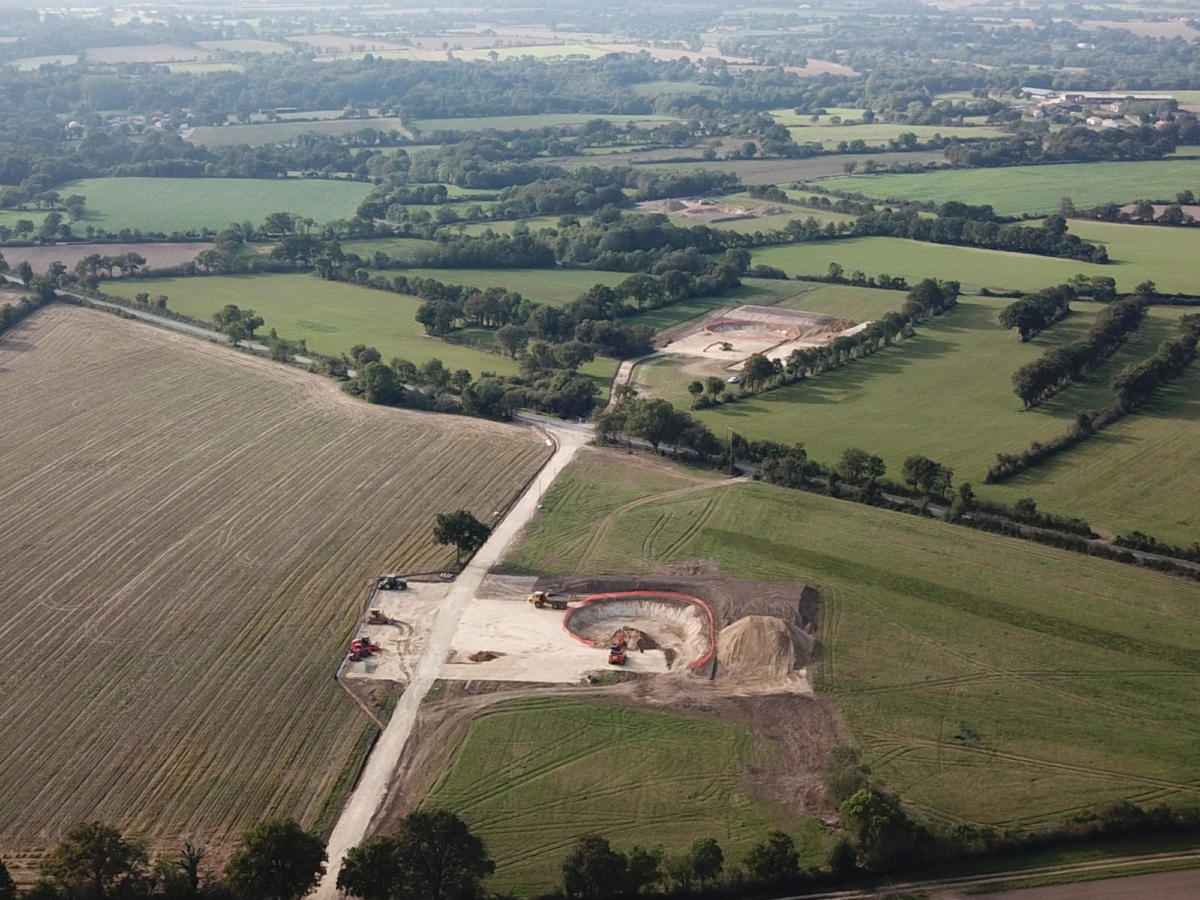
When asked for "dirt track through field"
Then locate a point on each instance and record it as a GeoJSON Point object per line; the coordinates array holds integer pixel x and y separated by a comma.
{"type": "Point", "coordinates": [376, 778]}
{"type": "Point", "coordinates": [189, 533]}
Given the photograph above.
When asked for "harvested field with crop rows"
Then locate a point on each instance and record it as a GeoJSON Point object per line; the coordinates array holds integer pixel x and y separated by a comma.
{"type": "Point", "coordinates": [189, 534]}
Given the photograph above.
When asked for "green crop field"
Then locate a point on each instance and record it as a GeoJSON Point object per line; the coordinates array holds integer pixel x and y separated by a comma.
{"type": "Point", "coordinates": [285, 132]}
{"type": "Point", "coordinates": [191, 204]}
{"type": "Point", "coordinates": [517, 123]}
{"type": "Point", "coordinates": [877, 134]}
{"type": "Point", "coordinates": [532, 775]}
{"type": "Point", "coordinates": [986, 679]}
{"type": "Point", "coordinates": [1014, 190]}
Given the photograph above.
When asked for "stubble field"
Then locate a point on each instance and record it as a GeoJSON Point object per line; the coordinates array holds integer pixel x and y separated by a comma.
{"type": "Point", "coordinates": [189, 534]}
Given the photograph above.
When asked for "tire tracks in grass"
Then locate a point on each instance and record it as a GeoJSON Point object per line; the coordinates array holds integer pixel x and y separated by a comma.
{"type": "Point", "coordinates": [1073, 768]}
{"type": "Point", "coordinates": [600, 529]}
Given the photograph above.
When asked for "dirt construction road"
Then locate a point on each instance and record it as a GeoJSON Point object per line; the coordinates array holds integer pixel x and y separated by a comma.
{"type": "Point", "coordinates": [368, 795]}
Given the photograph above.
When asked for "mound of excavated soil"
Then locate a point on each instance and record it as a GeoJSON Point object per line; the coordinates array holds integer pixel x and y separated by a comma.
{"type": "Point", "coordinates": [762, 647]}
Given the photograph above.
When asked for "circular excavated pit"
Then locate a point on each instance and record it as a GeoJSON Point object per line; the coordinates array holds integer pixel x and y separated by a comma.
{"type": "Point", "coordinates": [678, 624]}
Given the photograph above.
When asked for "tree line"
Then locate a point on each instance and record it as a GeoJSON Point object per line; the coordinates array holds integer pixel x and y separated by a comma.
{"type": "Point", "coordinates": [1061, 366]}
{"type": "Point", "coordinates": [927, 299]}
{"type": "Point", "coordinates": [1132, 387]}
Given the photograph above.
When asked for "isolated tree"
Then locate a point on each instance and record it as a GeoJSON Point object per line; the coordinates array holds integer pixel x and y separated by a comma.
{"type": "Point", "coordinates": [276, 860]}
{"type": "Point", "coordinates": [714, 386]}
{"type": "Point", "coordinates": [594, 869]}
{"type": "Point", "coordinates": [696, 388]}
{"type": "Point", "coordinates": [24, 272]}
{"type": "Point", "coordinates": [773, 859]}
{"type": "Point", "coordinates": [708, 859]}
{"type": "Point", "coordinates": [188, 862]}
{"type": "Point", "coordinates": [8, 890]}
{"type": "Point", "coordinates": [95, 860]}
{"type": "Point", "coordinates": [461, 529]}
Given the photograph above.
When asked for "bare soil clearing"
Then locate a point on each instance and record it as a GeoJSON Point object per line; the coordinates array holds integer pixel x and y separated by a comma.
{"type": "Point", "coordinates": [189, 534]}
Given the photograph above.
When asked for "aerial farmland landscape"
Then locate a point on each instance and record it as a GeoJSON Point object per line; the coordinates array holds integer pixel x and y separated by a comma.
{"type": "Point", "coordinates": [599, 450]}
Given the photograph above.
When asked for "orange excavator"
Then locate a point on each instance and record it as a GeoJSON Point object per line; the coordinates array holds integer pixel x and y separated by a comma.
{"type": "Point", "coordinates": [616, 652]}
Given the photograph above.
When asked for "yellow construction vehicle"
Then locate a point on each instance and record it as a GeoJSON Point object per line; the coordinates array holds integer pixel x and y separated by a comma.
{"type": "Point", "coordinates": [545, 600]}
{"type": "Point", "coordinates": [377, 617]}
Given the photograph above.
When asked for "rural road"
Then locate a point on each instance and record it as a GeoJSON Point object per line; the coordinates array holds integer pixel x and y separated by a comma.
{"type": "Point", "coordinates": [373, 784]}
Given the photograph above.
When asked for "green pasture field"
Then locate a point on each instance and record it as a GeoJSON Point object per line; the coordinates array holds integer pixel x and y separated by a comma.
{"type": "Point", "coordinates": [1140, 253]}
{"type": "Point", "coordinates": [1036, 190]}
{"type": "Point", "coordinates": [1136, 253]}
{"type": "Point", "coordinates": [782, 171]}
{"type": "Point", "coordinates": [946, 393]}
{"type": "Point", "coordinates": [556, 287]}
{"type": "Point", "coordinates": [331, 317]}
{"type": "Point", "coordinates": [858, 304]}
{"type": "Point", "coordinates": [506, 226]}
{"type": "Point", "coordinates": [193, 204]}
{"type": "Point", "coordinates": [974, 268]}
{"type": "Point", "coordinates": [285, 132]}
{"type": "Point", "coordinates": [515, 123]}
{"type": "Point", "coordinates": [877, 134]}
{"type": "Point", "coordinates": [985, 679]}
{"type": "Point", "coordinates": [1135, 475]}
{"type": "Point", "coordinates": [790, 119]}
{"type": "Point", "coordinates": [393, 246]}
{"type": "Point", "coordinates": [10, 217]}
{"type": "Point", "coordinates": [532, 775]}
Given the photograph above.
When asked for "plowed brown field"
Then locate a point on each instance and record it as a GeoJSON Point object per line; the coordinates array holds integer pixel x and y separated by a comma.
{"type": "Point", "coordinates": [187, 537]}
